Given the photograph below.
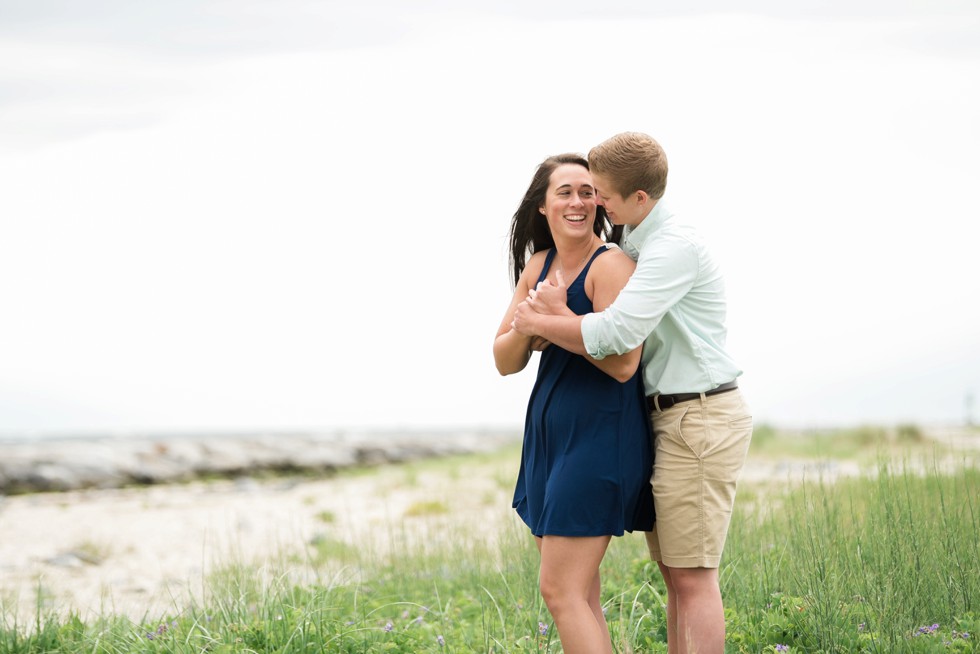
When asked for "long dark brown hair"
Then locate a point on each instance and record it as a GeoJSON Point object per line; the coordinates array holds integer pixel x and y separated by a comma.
{"type": "Point", "coordinates": [529, 231]}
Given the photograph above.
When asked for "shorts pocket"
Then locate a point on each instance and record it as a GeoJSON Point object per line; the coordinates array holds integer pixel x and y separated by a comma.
{"type": "Point", "coordinates": [695, 430]}
{"type": "Point", "coordinates": [738, 424]}
{"type": "Point", "coordinates": [668, 437]}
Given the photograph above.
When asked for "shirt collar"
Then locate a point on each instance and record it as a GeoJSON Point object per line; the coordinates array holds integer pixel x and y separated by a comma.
{"type": "Point", "coordinates": [654, 220]}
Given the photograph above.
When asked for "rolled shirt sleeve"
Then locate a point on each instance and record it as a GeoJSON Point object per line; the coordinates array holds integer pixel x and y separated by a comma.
{"type": "Point", "coordinates": [667, 269]}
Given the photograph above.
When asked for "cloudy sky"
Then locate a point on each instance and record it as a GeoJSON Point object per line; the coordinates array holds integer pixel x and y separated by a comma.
{"type": "Point", "coordinates": [293, 214]}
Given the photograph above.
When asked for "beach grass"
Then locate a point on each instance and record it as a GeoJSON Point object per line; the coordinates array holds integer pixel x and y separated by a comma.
{"type": "Point", "coordinates": [883, 561]}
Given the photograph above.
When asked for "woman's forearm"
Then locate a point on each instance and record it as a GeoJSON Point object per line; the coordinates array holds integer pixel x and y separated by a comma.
{"type": "Point", "coordinates": [511, 352]}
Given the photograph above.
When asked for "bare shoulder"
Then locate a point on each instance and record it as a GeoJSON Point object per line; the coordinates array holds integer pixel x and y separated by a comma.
{"type": "Point", "coordinates": [614, 261]}
{"type": "Point", "coordinates": [534, 266]}
{"type": "Point", "coordinates": [607, 276]}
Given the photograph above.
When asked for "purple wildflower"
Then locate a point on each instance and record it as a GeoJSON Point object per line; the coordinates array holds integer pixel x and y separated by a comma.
{"type": "Point", "coordinates": [542, 628]}
{"type": "Point", "coordinates": [389, 627]}
{"type": "Point", "coordinates": [862, 626]}
{"type": "Point", "coordinates": [441, 640]}
{"type": "Point", "coordinates": [782, 648]}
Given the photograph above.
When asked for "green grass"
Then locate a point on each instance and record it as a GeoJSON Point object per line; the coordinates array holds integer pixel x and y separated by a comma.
{"type": "Point", "coordinates": [864, 443]}
{"type": "Point", "coordinates": [859, 565]}
{"type": "Point", "coordinates": [429, 507]}
{"type": "Point", "coordinates": [862, 564]}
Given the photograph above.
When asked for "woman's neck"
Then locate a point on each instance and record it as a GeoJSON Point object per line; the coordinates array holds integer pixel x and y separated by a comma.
{"type": "Point", "coordinates": [572, 254]}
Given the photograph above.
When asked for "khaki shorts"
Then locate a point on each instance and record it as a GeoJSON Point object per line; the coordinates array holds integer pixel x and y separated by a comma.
{"type": "Point", "coordinates": [700, 449]}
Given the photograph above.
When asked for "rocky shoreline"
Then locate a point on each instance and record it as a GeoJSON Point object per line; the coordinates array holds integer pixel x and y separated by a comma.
{"type": "Point", "coordinates": [101, 462]}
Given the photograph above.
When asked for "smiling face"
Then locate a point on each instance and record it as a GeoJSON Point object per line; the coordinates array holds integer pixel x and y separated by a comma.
{"type": "Point", "coordinates": [569, 204]}
{"type": "Point", "coordinates": [629, 210]}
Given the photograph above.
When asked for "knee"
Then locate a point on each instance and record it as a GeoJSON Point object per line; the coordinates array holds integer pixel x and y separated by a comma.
{"type": "Point", "coordinates": [549, 591]}
{"type": "Point", "coordinates": [553, 595]}
{"type": "Point", "coordinates": [694, 582]}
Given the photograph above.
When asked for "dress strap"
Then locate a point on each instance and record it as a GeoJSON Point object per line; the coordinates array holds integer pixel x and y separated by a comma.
{"type": "Point", "coordinates": [585, 271]}
{"type": "Point", "coordinates": [550, 257]}
{"type": "Point", "coordinates": [547, 264]}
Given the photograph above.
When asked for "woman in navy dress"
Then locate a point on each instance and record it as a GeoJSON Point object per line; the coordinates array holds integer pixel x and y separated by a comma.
{"type": "Point", "coordinates": [587, 455]}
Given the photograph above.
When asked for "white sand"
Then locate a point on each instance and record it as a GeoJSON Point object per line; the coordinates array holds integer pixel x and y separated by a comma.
{"type": "Point", "coordinates": [144, 551]}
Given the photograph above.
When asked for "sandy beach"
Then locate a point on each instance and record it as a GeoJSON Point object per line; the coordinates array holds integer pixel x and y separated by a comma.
{"type": "Point", "coordinates": [147, 551]}
{"type": "Point", "coordinates": [144, 551]}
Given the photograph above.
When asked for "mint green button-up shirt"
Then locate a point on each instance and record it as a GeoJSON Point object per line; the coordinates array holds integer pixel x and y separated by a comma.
{"type": "Point", "coordinates": [674, 305]}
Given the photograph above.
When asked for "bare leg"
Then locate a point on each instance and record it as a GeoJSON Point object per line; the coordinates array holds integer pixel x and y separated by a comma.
{"type": "Point", "coordinates": [673, 644]}
{"type": "Point", "coordinates": [569, 585]}
{"type": "Point", "coordinates": [698, 611]}
{"type": "Point", "coordinates": [595, 603]}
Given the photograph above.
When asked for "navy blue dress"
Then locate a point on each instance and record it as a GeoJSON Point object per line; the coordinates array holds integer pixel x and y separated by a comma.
{"type": "Point", "coordinates": [588, 448]}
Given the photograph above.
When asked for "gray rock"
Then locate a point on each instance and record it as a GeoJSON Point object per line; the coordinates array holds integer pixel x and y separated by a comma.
{"type": "Point", "coordinates": [65, 560]}
{"type": "Point", "coordinates": [110, 461]}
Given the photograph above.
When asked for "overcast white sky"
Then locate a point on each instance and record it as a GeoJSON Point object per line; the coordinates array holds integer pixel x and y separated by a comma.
{"type": "Point", "coordinates": [250, 215]}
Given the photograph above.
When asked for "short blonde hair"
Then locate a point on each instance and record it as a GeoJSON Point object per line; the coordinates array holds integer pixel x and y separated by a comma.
{"type": "Point", "coordinates": [633, 162]}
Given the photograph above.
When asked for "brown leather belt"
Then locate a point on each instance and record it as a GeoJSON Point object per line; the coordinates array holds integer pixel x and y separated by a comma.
{"type": "Point", "coordinates": [664, 402]}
